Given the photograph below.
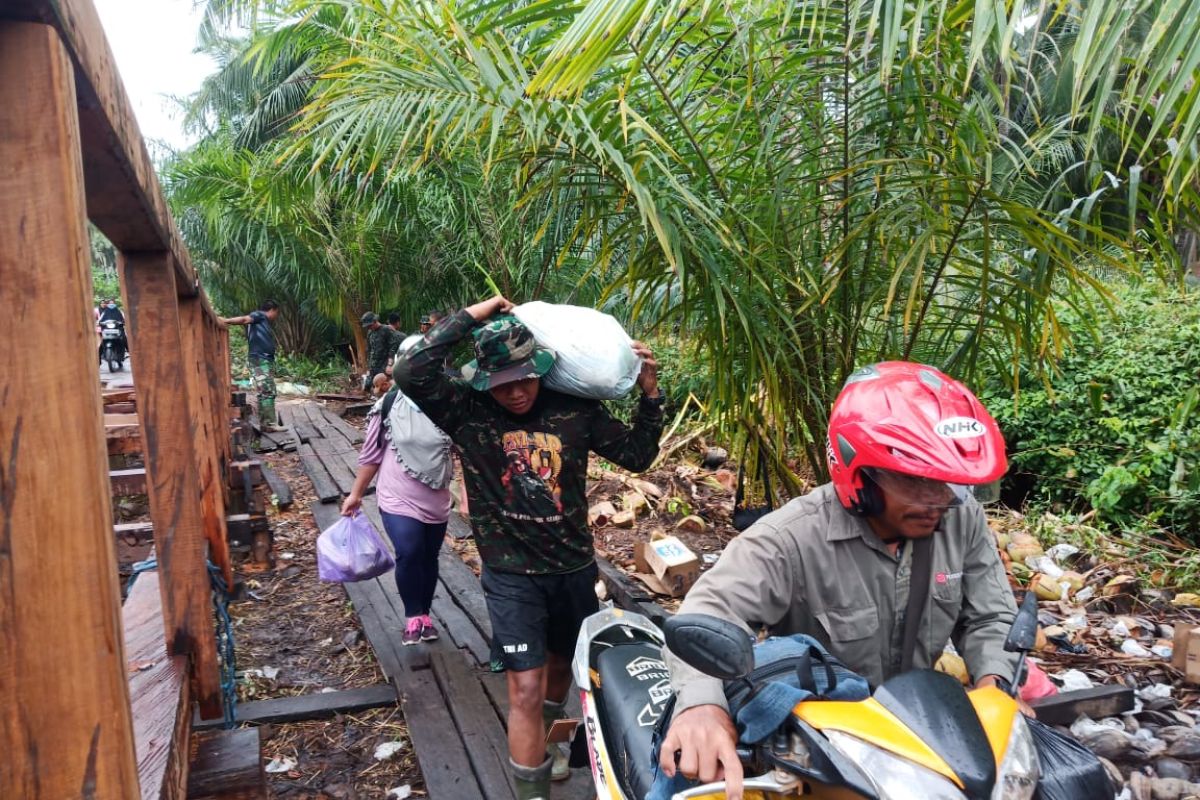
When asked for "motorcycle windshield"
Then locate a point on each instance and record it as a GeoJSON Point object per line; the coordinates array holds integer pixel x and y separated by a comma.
{"type": "Point", "coordinates": [934, 706]}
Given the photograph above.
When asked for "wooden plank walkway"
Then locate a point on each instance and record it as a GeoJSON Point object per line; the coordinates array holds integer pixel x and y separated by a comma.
{"type": "Point", "coordinates": [455, 708]}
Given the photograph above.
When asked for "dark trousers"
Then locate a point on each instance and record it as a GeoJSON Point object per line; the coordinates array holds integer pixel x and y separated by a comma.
{"type": "Point", "coordinates": [416, 544]}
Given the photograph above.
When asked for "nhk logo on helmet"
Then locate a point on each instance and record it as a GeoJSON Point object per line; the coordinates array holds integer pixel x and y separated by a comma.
{"type": "Point", "coordinates": [959, 428]}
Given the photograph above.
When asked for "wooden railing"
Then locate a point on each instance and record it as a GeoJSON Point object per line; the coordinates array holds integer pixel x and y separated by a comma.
{"type": "Point", "coordinates": [70, 151]}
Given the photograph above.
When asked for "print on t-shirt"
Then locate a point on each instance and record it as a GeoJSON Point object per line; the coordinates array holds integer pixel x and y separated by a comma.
{"type": "Point", "coordinates": [531, 477]}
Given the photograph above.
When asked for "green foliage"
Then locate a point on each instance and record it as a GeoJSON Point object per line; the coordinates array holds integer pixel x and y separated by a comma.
{"type": "Point", "coordinates": [104, 267]}
{"type": "Point", "coordinates": [796, 186]}
{"type": "Point", "coordinates": [320, 375]}
{"type": "Point", "coordinates": [1117, 428]}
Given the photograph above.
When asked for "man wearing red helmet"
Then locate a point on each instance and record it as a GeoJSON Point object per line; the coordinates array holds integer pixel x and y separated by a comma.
{"type": "Point", "coordinates": [906, 443]}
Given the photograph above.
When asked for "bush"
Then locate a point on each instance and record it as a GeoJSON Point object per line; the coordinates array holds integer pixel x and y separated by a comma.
{"type": "Point", "coordinates": [1116, 430]}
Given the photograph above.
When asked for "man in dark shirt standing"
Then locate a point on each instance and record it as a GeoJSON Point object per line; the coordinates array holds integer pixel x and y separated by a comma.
{"type": "Point", "coordinates": [525, 454]}
{"type": "Point", "coordinates": [262, 357]}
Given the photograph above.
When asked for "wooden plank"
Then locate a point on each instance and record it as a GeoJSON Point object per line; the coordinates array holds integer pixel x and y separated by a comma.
{"type": "Point", "coordinates": [123, 440]}
{"type": "Point", "coordinates": [158, 684]}
{"type": "Point", "coordinates": [138, 531]}
{"type": "Point", "coordinates": [123, 195]}
{"type": "Point", "coordinates": [462, 585]}
{"type": "Point", "coordinates": [279, 487]}
{"type": "Point", "coordinates": [227, 765]}
{"type": "Point", "coordinates": [1097, 702]}
{"type": "Point", "coordinates": [120, 408]}
{"type": "Point", "coordinates": [627, 593]}
{"type": "Point", "coordinates": [445, 766]}
{"type": "Point", "coordinates": [323, 484]}
{"type": "Point", "coordinates": [113, 396]}
{"type": "Point", "coordinates": [352, 435]}
{"type": "Point", "coordinates": [319, 705]}
{"type": "Point", "coordinates": [67, 728]}
{"type": "Point", "coordinates": [173, 478]}
{"type": "Point", "coordinates": [478, 726]}
{"type": "Point", "coordinates": [330, 453]}
{"type": "Point", "coordinates": [207, 427]}
{"type": "Point", "coordinates": [459, 627]}
{"type": "Point", "coordinates": [124, 482]}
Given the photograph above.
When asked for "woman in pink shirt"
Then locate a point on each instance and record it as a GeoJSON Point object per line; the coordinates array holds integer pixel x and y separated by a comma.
{"type": "Point", "coordinates": [412, 458]}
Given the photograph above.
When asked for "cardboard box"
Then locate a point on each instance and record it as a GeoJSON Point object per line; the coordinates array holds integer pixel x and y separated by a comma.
{"type": "Point", "coordinates": [1186, 655]}
{"type": "Point", "coordinates": [666, 565]}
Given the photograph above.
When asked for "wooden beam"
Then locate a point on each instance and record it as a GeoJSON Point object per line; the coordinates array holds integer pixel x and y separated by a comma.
{"type": "Point", "coordinates": [124, 199]}
{"type": "Point", "coordinates": [227, 765]}
{"type": "Point", "coordinates": [173, 479]}
{"type": "Point", "coordinates": [206, 428]}
{"type": "Point", "coordinates": [159, 687]}
{"type": "Point", "coordinates": [1097, 702]}
{"type": "Point", "coordinates": [279, 487]}
{"type": "Point", "coordinates": [124, 482]}
{"type": "Point", "coordinates": [66, 730]}
{"type": "Point", "coordinates": [319, 705]}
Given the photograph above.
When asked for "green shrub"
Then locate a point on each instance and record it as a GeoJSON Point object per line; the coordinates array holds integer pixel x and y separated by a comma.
{"type": "Point", "coordinates": [1117, 429]}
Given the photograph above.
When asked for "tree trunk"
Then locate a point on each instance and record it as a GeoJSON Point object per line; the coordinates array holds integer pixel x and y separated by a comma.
{"type": "Point", "coordinates": [354, 320]}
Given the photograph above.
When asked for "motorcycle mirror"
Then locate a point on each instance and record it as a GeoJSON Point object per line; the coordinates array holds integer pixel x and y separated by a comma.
{"type": "Point", "coordinates": [716, 647]}
{"type": "Point", "coordinates": [1022, 637]}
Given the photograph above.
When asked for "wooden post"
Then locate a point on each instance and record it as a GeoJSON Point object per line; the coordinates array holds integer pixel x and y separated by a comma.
{"type": "Point", "coordinates": [65, 730]}
{"type": "Point", "coordinates": [199, 374]}
{"type": "Point", "coordinates": [168, 418]}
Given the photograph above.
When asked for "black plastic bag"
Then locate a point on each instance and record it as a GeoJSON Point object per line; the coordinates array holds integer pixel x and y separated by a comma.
{"type": "Point", "coordinates": [1069, 770]}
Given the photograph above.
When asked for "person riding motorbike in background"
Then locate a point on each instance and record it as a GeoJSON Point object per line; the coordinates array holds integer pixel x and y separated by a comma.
{"type": "Point", "coordinates": [109, 311]}
{"type": "Point", "coordinates": [905, 442]}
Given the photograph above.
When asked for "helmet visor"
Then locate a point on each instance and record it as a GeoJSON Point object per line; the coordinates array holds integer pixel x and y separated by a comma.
{"type": "Point", "coordinates": [916, 491]}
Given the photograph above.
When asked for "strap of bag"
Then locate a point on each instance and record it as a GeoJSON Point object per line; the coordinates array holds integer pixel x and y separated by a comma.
{"type": "Point", "coordinates": [385, 410]}
{"type": "Point", "coordinates": [808, 681]}
{"type": "Point", "coordinates": [918, 593]}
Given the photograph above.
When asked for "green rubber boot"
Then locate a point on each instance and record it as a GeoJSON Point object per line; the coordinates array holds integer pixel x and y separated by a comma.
{"type": "Point", "coordinates": [559, 752]}
{"type": "Point", "coordinates": [266, 412]}
{"type": "Point", "coordinates": [532, 783]}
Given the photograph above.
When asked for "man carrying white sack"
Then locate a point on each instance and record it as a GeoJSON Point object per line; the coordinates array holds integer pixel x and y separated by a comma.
{"type": "Point", "coordinates": [525, 455]}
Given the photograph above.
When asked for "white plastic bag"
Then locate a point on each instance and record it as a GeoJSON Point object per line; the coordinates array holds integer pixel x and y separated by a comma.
{"type": "Point", "coordinates": [352, 550]}
{"type": "Point", "coordinates": [595, 355]}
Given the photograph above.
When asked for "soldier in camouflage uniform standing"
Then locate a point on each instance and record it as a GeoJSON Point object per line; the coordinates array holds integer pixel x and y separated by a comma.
{"type": "Point", "coordinates": [262, 357]}
{"type": "Point", "coordinates": [525, 455]}
{"type": "Point", "coordinates": [382, 344]}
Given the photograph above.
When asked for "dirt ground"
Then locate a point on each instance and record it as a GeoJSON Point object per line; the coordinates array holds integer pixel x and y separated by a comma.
{"type": "Point", "coordinates": [296, 635]}
{"type": "Point", "coordinates": [308, 633]}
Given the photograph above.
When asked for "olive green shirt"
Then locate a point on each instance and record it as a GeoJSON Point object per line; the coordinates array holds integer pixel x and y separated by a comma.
{"type": "Point", "coordinates": [811, 567]}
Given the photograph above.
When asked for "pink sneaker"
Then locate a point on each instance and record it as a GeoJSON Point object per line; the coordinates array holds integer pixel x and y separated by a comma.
{"type": "Point", "coordinates": [428, 632]}
{"type": "Point", "coordinates": [412, 632]}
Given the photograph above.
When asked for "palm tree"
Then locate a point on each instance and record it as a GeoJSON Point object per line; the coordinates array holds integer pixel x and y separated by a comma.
{"type": "Point", "coordinates": [800, 185]}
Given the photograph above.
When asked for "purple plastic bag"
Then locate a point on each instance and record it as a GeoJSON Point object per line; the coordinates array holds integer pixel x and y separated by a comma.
{"type": "Point", "coordinates": [351, 550]}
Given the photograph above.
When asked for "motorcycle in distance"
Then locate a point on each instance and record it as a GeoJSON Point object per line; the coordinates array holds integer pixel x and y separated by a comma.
{"type": "Point", "coordinates": [112, 344]}
{"type": "Point", "coordinates": [921, 735]}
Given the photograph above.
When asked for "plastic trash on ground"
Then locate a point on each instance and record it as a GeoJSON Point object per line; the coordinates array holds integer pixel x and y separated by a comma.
{"type": "Point", "coordinates": [1037, 684]}
{"type": "Point", "coordinates": [352, 550]}
{"type": "Point", "coordinates": [595, 355]}
{"type": "Point", "coordinates": [1069, 770]}
{"type": "Point", "coordinates": [1061, 552]}
{"type": "Point", "coordinates": [1073, 680]}
{"type": "Point", "coordinates": [1132, 648]}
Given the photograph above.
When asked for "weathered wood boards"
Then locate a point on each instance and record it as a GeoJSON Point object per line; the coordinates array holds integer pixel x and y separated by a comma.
{"type": "Point", "coordinates": [227, 765]}
{"type": "Point", "coordinates": [66, 730]}
{"type": "Point", "coordinates": [169, 420]}
{"type": "Point", "coordinates": [123, 196]}
{"type": "Point", "coordinates": [158, 684]}
{"type": "Point", "coordinates": [320, 705]}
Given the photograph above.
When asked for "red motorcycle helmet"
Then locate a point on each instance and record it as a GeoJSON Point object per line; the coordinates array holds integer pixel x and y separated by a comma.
{"type": "Point", "coordinates": [906, 418]}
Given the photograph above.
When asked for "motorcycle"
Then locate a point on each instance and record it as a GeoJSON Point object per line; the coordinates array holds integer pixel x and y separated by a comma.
{"type": "Point", "coordinates": [920, 735]}
{"type": "Point", "coordinates": [112, 344]}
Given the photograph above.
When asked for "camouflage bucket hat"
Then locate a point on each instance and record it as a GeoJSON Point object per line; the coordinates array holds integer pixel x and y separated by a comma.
{"type": "Point", "coordinates": [369, 318]}
{"type": "Point", "coordinates": [505, 351]}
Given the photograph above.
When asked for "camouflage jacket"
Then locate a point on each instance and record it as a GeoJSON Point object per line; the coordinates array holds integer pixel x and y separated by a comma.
{"type": "Point", "coordinates": [526, 476]}
{"type": "Point", "coordinates": [382, 344]}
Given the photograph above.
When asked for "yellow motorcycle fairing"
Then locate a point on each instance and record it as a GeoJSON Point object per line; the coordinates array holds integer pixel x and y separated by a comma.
{"type": "Point", "coordinates": [870, 721]}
